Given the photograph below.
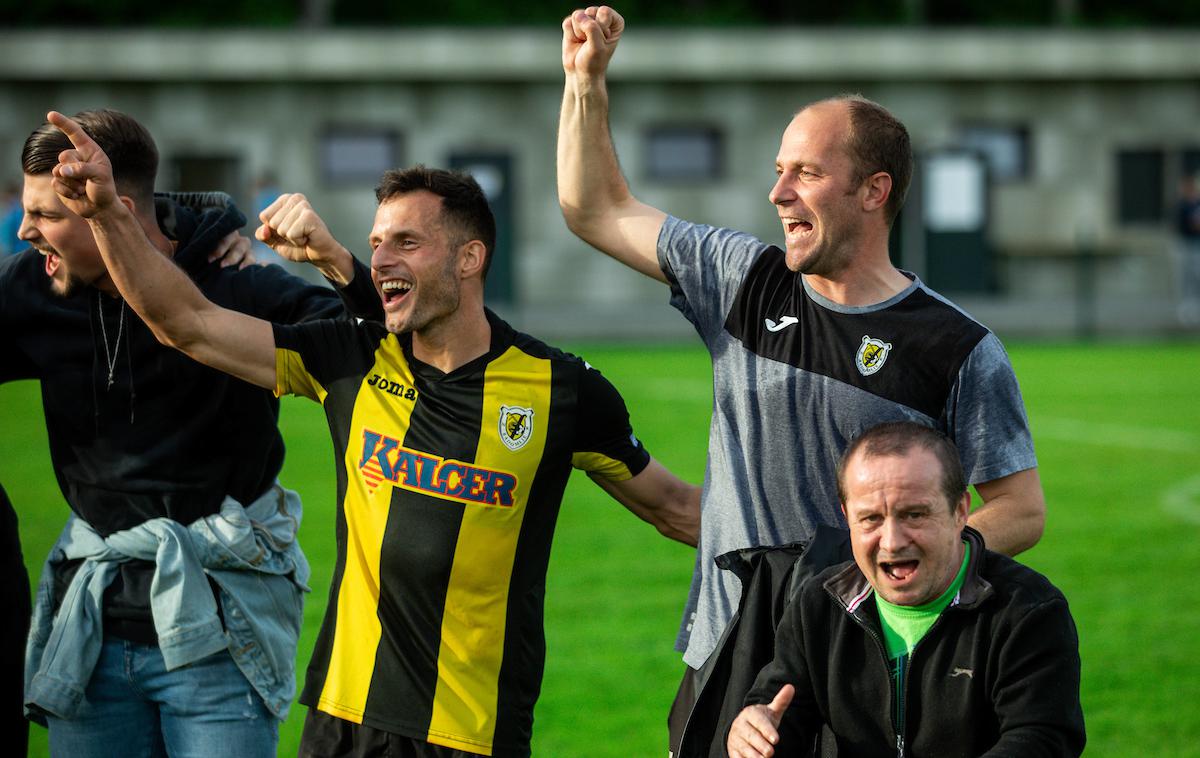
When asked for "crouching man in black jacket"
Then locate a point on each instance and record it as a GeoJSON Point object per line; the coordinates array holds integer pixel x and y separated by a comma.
{"type": "Point", "coordinates": [927, 644]}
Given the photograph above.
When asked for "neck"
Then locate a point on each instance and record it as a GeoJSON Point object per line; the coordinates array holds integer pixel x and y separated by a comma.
{"type": "Point", "coordinates": [158, 240]}
{"type": "Point", "coordinates": [867, 279]}
{"type": "Point", "coordinates": [455, 340]}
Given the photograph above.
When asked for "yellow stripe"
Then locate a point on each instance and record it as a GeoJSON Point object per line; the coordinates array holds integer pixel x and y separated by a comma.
{"type": "Point", "coordinates": [357, 634]}
{"type": "Point", "coordinates": [603, 466]}
{"type": "Point", "coordinates": [292, 378]}
{"type": "Point", "coordinates": [473, 622]}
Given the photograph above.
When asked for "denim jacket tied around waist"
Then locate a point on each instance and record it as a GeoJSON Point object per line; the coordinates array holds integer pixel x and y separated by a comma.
{"type": "Point", "coordinates": [250, 552]}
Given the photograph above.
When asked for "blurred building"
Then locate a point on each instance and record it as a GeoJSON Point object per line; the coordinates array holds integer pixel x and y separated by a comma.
{"type": "Point", "coordinates": [1047, 159]}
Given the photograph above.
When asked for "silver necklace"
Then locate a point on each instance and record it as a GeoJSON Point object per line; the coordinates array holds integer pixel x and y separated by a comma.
{"type": "Point", "coordinates": [111, 356]}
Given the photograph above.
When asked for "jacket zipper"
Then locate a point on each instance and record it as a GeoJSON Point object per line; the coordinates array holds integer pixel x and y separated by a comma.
{"type": "Point", "coordinates": [899, 720]}
{"type": "Point", "coordinates": [901, 700]}
{"type": "Point", "coordinates": [897, 694]}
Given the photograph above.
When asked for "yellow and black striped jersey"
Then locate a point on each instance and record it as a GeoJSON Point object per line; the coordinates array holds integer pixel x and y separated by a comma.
{"type": "Point", "coordinates": [449, 487]}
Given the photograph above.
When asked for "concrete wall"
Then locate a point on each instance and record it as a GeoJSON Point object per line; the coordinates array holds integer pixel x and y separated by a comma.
{"type": "Point", "coordinates": [265, 98]}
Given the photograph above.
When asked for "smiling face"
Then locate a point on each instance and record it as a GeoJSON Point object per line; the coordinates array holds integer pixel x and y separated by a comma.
{"type": "Point", "coordinates": [816, 195]}
{"type": "Point", "coordinates": [72, 259]}
{"type": "Point", "coordinates": [414, 262]}
{"type": "Point", "coordinates": [906, 537]}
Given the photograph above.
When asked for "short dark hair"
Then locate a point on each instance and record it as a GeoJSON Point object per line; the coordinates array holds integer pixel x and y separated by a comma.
{"type": "Point", "coordinates": [127, 143]}
{"type": "Point", "coordinates": [897, 438]}
{"type": "Point", "coordinates": [878, 141]}
{"type": "Point", "coordinates": [465, 210]}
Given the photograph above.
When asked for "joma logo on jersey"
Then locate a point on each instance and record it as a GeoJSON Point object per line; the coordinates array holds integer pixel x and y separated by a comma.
{"type": "Point", "coordinates": [385, 459]}
{"type": "Point", "coordinates": [383, 384]}
{"type": "Point", "coordinates": [871, 356]}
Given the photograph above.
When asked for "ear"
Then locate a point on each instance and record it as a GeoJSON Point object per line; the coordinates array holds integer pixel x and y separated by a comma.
{"type": "Point", "coordinates": [128, 203]}
{"type": "Point", "coordinates": [471, 257]}
{"type": "Point", "coordinates": [878, 188]}
{"type": "Point", "coordinates": [962, 510]}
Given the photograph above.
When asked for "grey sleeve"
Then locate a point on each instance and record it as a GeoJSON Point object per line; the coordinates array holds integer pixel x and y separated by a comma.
{"type": "Point", "coordinates": [705, 266]}
{"type": "Point", "coordinates": [986, 415]}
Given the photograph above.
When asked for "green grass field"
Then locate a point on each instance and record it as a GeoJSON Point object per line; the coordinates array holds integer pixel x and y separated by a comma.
{"type": "Point", "coordinates": [1117, 429]}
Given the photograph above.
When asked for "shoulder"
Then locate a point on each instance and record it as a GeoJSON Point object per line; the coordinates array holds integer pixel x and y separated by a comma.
{"type": "Point", "coordinates": [1016, 585]}
{"type": "Point", "coordinates": [21, 264]}
{"type": "Point", "coordinates": [842, 582]}
{"type": "Point", "coordinates": [680, 235]}
{"type": "Point", "coordinates": [536, 348]}
{"type": "Point", "coordinates": [197, 221]}
{"type": "Point", "coordinates": [539, 350]}
{"type": "Point", "coordinates": [267, 291]}
{"type": "Point", "coordinates": [940, 313]}
{"type": "Point", "coordinates": [330, 335]}
{"type": "Point", "coordinates": [23, 278]}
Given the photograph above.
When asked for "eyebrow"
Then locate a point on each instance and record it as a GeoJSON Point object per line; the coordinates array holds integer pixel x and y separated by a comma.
{"type": "Point", "coordinates": [392, 234]}
{"type": "Point", "coordinates": [803, 164]}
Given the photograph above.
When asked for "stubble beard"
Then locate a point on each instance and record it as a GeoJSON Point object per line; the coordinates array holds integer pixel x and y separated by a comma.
{"type": "Point", "coordinates": [439, 300]}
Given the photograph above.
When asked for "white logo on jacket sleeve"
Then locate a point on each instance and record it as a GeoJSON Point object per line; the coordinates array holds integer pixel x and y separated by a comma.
{"type": "Point", "coordinates": [872, 354]}
{"type": "Point", "coordinates": [516, 425]}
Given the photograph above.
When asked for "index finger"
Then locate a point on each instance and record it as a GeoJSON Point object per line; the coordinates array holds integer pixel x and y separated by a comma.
{"type": "Point", "coordinates": [266, 214]}
{"type": "Point", "coordinates": [79, 138]}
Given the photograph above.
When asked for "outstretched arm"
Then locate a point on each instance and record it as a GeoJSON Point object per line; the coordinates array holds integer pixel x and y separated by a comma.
{"type": "Point", "coordinates": [658, 497]}
{"type": "Point", "coordinates": [594, 197]}
{"type": "Point", "coordinates": [161, 294]}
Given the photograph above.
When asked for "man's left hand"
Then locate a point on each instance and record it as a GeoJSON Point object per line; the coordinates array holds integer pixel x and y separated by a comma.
{"type": "Point", "coordinates": [234, 249]}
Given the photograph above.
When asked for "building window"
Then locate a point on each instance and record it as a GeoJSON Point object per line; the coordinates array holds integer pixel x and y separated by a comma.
{"type": "Point", "coordinates": [357, 155]}
{"type": "Point", "coordinates": [1189, 159]}
{"type": "Point", "coordinates": [1141, 183]}
{"type": "Point", "coordinates": [684, 153]}
{"type": "Point", "coordinates": [1005, 148]}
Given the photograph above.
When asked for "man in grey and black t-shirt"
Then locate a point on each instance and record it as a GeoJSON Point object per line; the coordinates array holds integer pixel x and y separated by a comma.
{"type": "Point", "coordinates": [811, 344]}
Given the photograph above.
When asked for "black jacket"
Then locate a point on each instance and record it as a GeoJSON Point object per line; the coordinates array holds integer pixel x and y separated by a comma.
{"type": "Point", "coordinates": [170, 437]}
{"type": "Point", "coordinates": [770, 576]}
{"type": "Point", "coordinates": [997, 674]}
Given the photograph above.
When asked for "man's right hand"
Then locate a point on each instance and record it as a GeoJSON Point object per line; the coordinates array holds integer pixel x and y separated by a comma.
{"type": "Point", "coordinates": [590, 37]}
{"type": "Point", "coordinates": [294, 230]}
{"type": "Point", "coordinates": [755, 732]}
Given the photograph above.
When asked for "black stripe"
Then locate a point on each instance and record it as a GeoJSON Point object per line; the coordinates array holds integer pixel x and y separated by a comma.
{"type": "Point", "coordinates": [418, 555]}
{"type": "Point", "coordinates": [929, 339]}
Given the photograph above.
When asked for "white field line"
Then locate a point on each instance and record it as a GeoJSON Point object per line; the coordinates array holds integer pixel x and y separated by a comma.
{"type": "Point", "coordinates": [1116, 435]}
{"type": "Point", "coordinates": [1183, 500]}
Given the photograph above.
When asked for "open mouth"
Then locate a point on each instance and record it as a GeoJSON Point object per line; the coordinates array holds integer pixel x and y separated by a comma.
{"type": "Point", "coordinates": [52, 261]}
{"type": "Point", "coordinates": [899, 571]}
{"type": "Point", "coordinates": [394, 291]}
{"type": "Point", "coordinates": [795, 225]}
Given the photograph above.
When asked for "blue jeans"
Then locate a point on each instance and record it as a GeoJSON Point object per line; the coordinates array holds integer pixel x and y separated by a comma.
{"type": "Point", "coordinates": [135, 708]}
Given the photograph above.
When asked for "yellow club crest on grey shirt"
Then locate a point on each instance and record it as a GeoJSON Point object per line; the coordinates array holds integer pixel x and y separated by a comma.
{"type": "Point", "coordinates": [872, 354]}
{"type": "Point", "coordinates": [516, 426]}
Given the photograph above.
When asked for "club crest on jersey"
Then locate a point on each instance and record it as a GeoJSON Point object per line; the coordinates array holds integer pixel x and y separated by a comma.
{"type": "Point", "coordinates": [516, 426]}
{"type": "Point", "coordinates": [872, 354]}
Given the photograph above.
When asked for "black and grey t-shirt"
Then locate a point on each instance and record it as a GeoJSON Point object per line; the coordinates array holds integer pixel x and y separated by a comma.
{"type": "Point", "coordinates": [797, 376]}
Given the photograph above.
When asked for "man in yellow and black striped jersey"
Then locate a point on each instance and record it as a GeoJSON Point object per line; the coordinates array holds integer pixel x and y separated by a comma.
{"type": "Point", "coordinates": [454, 437]}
